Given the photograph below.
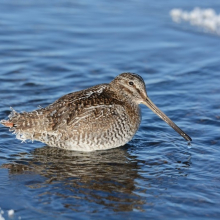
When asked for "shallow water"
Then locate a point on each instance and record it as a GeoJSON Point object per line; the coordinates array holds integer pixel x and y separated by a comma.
{"type": "Point", "coordinates": [48, 49]}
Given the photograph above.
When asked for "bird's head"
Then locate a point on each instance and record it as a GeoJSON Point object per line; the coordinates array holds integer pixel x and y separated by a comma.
{"type": "Point", "coordinates": [131, 87]}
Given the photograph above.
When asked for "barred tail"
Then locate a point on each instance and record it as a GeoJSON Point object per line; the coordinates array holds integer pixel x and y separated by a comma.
{"type": "Point", "coordinates": [7, 123]}
{"type": "Point", "coordinates": [26, 125]}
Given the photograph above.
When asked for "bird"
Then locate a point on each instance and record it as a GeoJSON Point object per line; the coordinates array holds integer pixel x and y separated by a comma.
{"type": "Point", "coordinates": [101, 117]}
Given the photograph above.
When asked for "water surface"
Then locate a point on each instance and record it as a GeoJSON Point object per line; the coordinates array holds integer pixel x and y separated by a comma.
{"type": "Point", "coordinates": [48, 49]}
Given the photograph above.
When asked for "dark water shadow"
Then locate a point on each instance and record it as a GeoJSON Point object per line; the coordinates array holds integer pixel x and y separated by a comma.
{"type": "Point", "coordinates": [105, 178]}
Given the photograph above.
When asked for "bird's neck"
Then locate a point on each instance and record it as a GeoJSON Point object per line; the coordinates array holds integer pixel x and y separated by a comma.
{"type": "Point", "coordinates": [122, 94]}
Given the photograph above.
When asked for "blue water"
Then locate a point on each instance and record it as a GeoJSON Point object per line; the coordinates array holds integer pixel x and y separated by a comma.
{"type": "Point", "coordinates": [50, 48]}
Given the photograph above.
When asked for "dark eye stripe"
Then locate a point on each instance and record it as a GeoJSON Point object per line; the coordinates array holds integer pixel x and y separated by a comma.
{"type": "Point", "coordinates": [138, 91]}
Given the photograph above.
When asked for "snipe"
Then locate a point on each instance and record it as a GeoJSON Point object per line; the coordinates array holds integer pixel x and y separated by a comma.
{"type": "Point", "coordinates": [98, 118]}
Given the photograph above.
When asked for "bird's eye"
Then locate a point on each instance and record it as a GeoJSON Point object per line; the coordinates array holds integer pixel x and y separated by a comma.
{"type": "Point", "coordinates": [131, 83]}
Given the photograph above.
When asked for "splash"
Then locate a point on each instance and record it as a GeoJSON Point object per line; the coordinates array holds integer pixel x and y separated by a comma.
{"type": "Point", "coordinates": [207, 19]}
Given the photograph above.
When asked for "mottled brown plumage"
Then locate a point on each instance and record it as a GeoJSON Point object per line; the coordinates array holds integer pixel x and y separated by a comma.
{"type": "Point", "coordinates": [101, 117]}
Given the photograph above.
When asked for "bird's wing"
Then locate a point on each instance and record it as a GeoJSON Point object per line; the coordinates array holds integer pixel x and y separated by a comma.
{"type": "Point", "coordinates": [98, 116]}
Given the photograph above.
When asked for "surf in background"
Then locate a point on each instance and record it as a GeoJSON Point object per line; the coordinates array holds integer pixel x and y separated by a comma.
{"type": "Point", "coordinates": [207, 19]}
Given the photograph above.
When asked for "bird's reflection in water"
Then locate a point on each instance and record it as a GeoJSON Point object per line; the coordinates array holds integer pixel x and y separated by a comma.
{"type": "Point", "coordinates": [103, 177]}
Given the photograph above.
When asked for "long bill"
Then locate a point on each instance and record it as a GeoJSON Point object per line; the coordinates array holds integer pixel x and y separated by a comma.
{"type": "Point", "coordinates": [156, 110]}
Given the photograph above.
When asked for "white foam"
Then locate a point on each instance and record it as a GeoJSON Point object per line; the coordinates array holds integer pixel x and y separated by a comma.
{"type": "Point", "coordinates": [1, 213]}
{"type": "Point", "coordinates": [11, 212]}
{"type": "Point", "coordinates": [207, 18]}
